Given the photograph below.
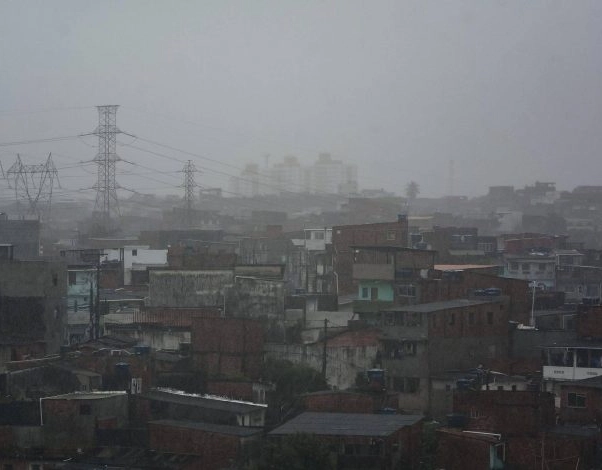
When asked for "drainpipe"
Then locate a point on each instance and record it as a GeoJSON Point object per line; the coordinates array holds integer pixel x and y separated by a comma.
{"type": "Point", "coordinates": [41, 414]}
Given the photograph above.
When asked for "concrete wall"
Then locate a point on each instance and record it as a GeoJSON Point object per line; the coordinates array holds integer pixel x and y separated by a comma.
{"type": "Point", "coordinates": [68, 427]}
{"type": "Point", "coordinates": [33, 301]}
{"type": "Point", "coordinates": [156, 338]}
{"type": "Point", "coordinates": [24, 235]}
{"type": "Point", "coordinates": [254, 297]}
{"type": "Point", "coordinates": [342, 363]}
{"type": "Point", "coordinates": [202, 288]}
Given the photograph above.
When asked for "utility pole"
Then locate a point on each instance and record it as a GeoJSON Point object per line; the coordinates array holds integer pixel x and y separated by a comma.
{"type": "Point", "coordinates": [107, 203]}
{"type": "Point", "coordinates": [324, 350]}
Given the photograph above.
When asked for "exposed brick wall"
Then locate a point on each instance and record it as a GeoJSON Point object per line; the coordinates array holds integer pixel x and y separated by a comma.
{"type": "Point", "coordinates": [463, 283]}
{"type": "Point", "coordinates": [506, 412]}
{"type": "Point", "coordinates": [483, 320]}
{"type": "Point", "coordinates": [234, 390]}
{"type": "Point", "coordinates": [560, 452]}
{"type": "Point", "coordinates": [590, 414]}
{"type": "Point", "coordinates": [453, 451]}
{"type": "Point", "coordinates": [217, 450]}
{"type": "Point", "coordinates": [589, 321]}
{"type": "Point", "coordinates": [339, 403]}
{"type": "Point", "coordinates": [345, 236]}
{"type": "Point", "coordinates": [228, 346]}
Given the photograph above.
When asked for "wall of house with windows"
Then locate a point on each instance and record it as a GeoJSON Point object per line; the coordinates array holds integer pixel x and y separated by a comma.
{"type": "Point", "coordinates": [376, 290]}
{"type": "Point", "coordinates": [581, 404]}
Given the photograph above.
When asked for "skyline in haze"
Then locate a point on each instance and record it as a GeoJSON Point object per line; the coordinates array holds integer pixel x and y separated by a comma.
{"type": "Point", "coordinates": [508, 91]}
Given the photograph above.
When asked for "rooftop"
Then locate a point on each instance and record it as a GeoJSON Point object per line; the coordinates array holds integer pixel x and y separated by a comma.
{"type": "Point", "coordinates": [241, 431]}
{"type": "Point", "coordinates": [346, 424]}
{"type": "Point", "coordinates": [87, 395]}
{"type": "Point", "coordinates": [443, 305]}
{"type": "Point", "coordinates": [590, 382]}
{"type": "Point", "coordinates": [463, 267]}
{"type": "Point", "coordinates": [202, 401]}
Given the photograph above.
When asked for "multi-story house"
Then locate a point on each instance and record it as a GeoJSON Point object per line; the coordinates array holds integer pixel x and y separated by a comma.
{"type": "Point", "coordinates": [346, 237]}
{"type": "Point", "coordinates": [425, 340]}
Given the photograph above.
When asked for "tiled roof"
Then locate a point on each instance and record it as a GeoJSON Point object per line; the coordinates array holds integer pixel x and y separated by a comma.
{"type": "Point", "coordinates": [346, 424]}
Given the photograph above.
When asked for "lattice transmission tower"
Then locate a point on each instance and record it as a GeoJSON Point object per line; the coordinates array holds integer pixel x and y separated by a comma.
{"type": "Point", "coordinates": [107, 203]}
{"type": "Point", "coordinates": [33, 185]}
{"type": "Point", "coordinates": [189, 184]}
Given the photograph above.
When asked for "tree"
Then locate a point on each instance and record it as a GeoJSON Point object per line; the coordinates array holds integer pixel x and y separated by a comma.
{"type": "Point", "coordinates": [412, 190]}
{"type": "Point", "coordinates": [290, 381]}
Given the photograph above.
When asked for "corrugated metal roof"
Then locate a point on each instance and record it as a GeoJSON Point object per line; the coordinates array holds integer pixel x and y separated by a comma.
{"type": "Point", "coordinates": [87, 395]}
{"type": "Point", "coordinates": [346, 424]}
{"type": "Point", "coordinates": [462, 267]}
{"type": "Point", "coordinates": [437, 306]}
{"type": "Point", "coordinates": [203, 401]}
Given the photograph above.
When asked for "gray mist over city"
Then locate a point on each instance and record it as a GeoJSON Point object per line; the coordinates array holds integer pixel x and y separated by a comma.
{"type": "Point", "coordinates": [507, 91]}
{"type": "Point", "coordinates": [316, 235]}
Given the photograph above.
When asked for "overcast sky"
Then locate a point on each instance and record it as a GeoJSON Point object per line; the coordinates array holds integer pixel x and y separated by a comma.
{"type": "Point", "coordinates": [510, 91]}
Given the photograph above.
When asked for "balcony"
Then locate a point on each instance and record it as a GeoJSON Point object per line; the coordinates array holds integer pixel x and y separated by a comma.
{"type": "Point", "coordinates": [570, 373]}
{"type": "Point", "coordinates": [374, 272]}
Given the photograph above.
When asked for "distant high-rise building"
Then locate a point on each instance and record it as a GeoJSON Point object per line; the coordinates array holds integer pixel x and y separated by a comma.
{"type": "Point", "coordinates": [332, 176]}
{"type": "Point", "coordinates": [325, 176]}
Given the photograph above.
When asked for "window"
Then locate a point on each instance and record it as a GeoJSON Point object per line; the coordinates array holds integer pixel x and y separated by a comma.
{"type": "Point", "coordinates": [391, 235]}
{"type": "Point", "coordinates": [374, 293]}
{"type": "Point", "coordinates": [134, 252]}
{"type": "Point", "coordinates": [85, 409]}
{"type": "Point", "coordinates": [541, 267]}
{"type": "Point", "coordinates": [413, 319]}
{"type": "Point", "coordinates": [412, 384]}
{"type": "Point", "coordinates": [389, 319]}
{"type": "Point", "coordinates": [500, 387]}
{"type": "Point", "coordinates": [364, 292]}
{"type": "Point", "coordinates": [72, 278]}
{"type": "Point", "coordinates": [471, 318]}
{"type": "Point", "coordinates": [409, 348]}
{"type": "Point", "coordinates": [448, 388]}
{"type": "Point", "coordinates": [397, 384]}
{"type": "Point", "coordinates": [55, 279]}
{"type": "Point", "coordinates": [451, 319]}
{"type": "Point", "coordinates": [407, 290]}
{"type": "Point", "coordinates": [319, 235]}
{"type": "Point", "coordinates": [576, 400]}
{"type": "Point", "coordinates": [514, 388]}
{"type": "Point", "coordinates": [526, 267]}
{"type": "Point", "coordinates": [490, 318]}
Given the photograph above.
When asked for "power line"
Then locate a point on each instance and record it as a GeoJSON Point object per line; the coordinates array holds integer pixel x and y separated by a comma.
{"type": "Point", "coordinates": [37, 141]}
